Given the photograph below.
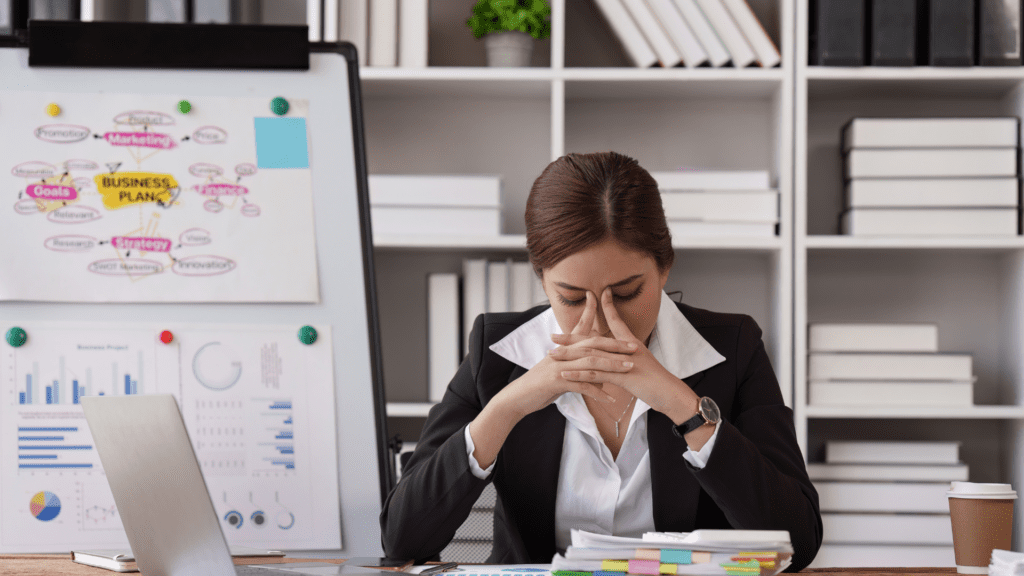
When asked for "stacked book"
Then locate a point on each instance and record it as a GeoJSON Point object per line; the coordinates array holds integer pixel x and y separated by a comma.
{"type": "Point", "coordinates": [881, 494]}
{"type": "Point", "coordinates": [726, 552]}
{"type": "Point", "coordinates": [718, 202]}
{"type": "Point", "coordinates": [885, 365]}
{"type": "Point", "coordinates": [487, 286]}
{"type": "Point", "coordinates": [386, 33]}
{"type": "Point", "coordinates": [690, 33]}
{"type": "Point", "coordinates": [435, 204]}
{"type": "Point", "coordinates": [931, 177]}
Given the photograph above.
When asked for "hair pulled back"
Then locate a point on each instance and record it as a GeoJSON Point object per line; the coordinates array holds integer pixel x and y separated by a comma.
{"type": "Point", "coordinates": [584, 199]}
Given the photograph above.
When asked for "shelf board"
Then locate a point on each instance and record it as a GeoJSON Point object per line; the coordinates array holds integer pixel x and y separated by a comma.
{"type": "Point", "coordinates": [409, 409]}
{"type": "Point", "coordinates": [456, 81]}
{"type": "Point", "coordinates": [917, 81]}
{"type": "Point", "coordinates": [998, 244]}
{"type": "Point", "coordinates": [517, 242]}
{"type": "Point", "coordinates": [440, 242]}
{"type": "Point", "coordinates": [613, 83]}
{"type": "Point", "coordinates": [964, 412]}
{"type": "Point", "coordinates": [658, 83]}
{"type": "Point", "coordinates": [739, 243]}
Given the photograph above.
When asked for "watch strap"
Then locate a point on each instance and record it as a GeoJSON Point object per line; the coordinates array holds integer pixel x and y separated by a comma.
{"type": "Point", "coordinates": [689, 426]}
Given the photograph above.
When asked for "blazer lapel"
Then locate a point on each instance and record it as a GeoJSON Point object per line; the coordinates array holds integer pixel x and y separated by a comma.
{"type": "Point", "coordinates": [674, 490]}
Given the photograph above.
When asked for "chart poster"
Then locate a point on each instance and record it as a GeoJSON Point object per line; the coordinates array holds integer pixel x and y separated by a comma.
{"type": "Point", "coordinates": [149, 198]}
{"type": "Point", "coordinates": [255, 404]}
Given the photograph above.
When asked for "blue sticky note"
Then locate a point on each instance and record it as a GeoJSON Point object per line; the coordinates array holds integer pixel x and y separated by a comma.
{"type": "Point", "coordinates": [281, 143]}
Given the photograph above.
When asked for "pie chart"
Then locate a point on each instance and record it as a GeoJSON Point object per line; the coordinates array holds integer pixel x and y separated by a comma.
{"type": "Point", "coordinates": [216, 366]}
{"type": "Point", "coordinates": [45, 506]}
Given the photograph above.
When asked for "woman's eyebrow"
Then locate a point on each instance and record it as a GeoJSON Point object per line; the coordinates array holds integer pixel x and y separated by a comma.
{"type": "Point", "coordinates": [619, 283]}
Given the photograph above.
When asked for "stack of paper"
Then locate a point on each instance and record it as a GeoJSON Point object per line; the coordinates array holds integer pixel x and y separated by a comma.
{"type": "Point", "coordinates": [435, 204]}
{"type": "Point", "coordinates": [1006, 563]}
{"type": "Point", "coordinates": [727, 552]}
{"type": "Point", "coordinates": [718, 202]}
{"type": "Point", "coordinates": [885, 365]}
{"type": "Point", "coordinates": [931, 176]}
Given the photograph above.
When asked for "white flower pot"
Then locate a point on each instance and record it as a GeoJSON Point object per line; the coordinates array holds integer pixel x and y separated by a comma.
{"type": "Point", "coordinates": [508, 48]}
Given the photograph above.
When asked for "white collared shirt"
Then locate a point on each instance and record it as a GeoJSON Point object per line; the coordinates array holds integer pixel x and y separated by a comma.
{"type": "Point", "coordinates": [596, 492]}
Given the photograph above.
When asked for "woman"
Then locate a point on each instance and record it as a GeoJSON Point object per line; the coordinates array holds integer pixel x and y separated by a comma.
{"type": "Point", "coordinates": [601, 412]}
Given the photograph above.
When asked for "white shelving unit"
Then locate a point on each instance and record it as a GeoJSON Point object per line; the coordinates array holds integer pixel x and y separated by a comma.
{"type": "Point", "coordinates": [584, 97]}
{"type": "Point", "coordinates": [973, 288]}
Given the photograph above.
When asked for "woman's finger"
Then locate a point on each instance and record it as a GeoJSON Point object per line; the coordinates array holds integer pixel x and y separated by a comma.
{"type": "Point", "coordinates": [600, 342]}
{"type": "Point", "coordinates": [595, 392]}
{"type": "Point", "coordinates": [586, 323]}
{"type": "Point", "coordinates": [611, 317]}
{"type": "Point", "coordinates": [591, 358]}
{"type": "Point", "coordinates": [593, 376]}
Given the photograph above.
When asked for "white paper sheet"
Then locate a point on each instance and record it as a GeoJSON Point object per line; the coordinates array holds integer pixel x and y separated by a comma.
{"type": "Point", "coordinates": [257, 403]}
{"type": "Point", "coordinates": [123, 198]}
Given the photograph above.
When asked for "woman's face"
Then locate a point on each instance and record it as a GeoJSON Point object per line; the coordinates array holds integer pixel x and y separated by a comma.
{"type": "Point", "coordinates": [633, 277]}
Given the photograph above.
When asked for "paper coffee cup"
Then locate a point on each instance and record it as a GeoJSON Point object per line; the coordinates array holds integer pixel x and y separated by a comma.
{"type": "Point", "coordinates": [982, 518]}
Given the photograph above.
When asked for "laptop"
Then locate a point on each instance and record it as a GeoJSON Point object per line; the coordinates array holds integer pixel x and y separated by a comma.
{"type": "Point", "coordinates": [161, 495]}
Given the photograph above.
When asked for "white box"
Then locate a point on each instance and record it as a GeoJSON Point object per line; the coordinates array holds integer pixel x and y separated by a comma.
{"type": "Point", "coordinates": [891, 452]}
{"type": "Point", "coordinates": [929, 222]}
{"type": "Point", "coordinates": [469, 190]}
{"type": "Point", "coordinates": [883, 496]}
{"type": "Point", "coordinates": [930, 133]}
{"type": "Point", "coordinates": [895, 366]}
{"type": "Point", "coordinates": [430, 220]}
{"type": "Point", "coordinates": [873, 338]}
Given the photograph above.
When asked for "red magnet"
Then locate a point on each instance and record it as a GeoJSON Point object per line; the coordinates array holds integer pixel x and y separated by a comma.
{"type": "Point", "coordinates": [166, 337]}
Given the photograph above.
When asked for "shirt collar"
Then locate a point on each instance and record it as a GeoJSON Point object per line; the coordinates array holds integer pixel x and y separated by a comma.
{"type": "Point", "coordinates": [689, 352]}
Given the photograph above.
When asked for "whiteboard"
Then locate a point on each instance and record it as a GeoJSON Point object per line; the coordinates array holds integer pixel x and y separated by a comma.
{"type": "Point", "coordinates": [343, 253]}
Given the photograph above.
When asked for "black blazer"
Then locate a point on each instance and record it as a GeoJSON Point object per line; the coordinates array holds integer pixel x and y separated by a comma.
{"type": "Point", "coordinates": [755, 477]}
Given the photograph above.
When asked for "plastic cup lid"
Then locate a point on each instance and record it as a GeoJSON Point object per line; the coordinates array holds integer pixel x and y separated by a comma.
{"type": "Point", "coordinates": [980, 490]}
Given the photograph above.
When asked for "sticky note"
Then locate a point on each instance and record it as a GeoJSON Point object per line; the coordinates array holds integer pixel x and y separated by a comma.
{"type": "Point", "coordinates": [281, 143]}
{"type": "Point", "coordinates": [676, 556]}
{"type": "Point", "coordinates": [648, 554]}
{"type": "Point", "coordinates": [615, 565]}
{"type": "Point", "coordinates": [649, 567]}
{"type": "Point", "coordinates": [667, 569]}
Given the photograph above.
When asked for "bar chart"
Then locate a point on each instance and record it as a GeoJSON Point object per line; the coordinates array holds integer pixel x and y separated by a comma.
{"type": "Point", "coordinates": [55, 447]}
{"type": "Point", "coordinates": [125, 379]}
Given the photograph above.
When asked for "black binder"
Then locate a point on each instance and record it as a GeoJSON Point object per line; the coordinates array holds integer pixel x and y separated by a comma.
{"type": "Point", "coordinates": [951, 26]}
{"type": "Point", "coordinates": [893, 32]}
{"type": "Point", "coordinates": [999, 32]}
{"type": "Point", "coordinates": [838, 32]}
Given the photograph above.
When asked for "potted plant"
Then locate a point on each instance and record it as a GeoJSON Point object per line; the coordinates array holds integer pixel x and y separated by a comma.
{"type": "Point", "coordinates": [508, 26]}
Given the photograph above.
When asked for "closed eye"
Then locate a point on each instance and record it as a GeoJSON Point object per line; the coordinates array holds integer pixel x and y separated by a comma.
{"type": "Point", "coordinates": [565, 301]}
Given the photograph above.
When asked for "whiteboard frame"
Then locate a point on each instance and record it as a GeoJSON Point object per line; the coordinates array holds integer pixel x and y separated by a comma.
{"type": "Point", "coordinates": [332, 79]}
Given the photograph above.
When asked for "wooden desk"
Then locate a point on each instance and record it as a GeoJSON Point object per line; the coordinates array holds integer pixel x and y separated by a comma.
{"type": "Point", "coordinates": [53, 564]}
{"type": "Point", "coordinates": [61, 564]}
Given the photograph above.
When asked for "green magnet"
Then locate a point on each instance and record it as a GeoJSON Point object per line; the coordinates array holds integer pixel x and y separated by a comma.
{"type": "Point", "coordinates": [279, 106]}
{"type": "Point", "coordinates": [184, 106]}
{"type": "Point", "coordinates": [307, 334]}
{"type": "Point", "coordinates": [16, 336]}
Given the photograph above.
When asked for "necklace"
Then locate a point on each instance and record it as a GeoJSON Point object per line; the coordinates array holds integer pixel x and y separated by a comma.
{"type": "Point", "coordinates": [623, 414]}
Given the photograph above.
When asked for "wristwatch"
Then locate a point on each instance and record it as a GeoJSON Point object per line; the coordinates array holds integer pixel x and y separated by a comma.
{"type": "Point", "coordinates": [707, 413]}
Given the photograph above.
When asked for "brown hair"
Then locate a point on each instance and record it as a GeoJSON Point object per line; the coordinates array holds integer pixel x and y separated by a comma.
{"type": "Point", "coordinates": [583, 199]}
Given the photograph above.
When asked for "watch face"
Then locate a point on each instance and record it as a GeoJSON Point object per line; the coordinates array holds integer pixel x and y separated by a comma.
{"type": "Point", "coordinates": [709, 409]}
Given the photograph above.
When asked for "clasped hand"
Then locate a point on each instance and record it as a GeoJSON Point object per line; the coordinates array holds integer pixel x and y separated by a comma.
{"type": "Point", "coordinates": [585, 361]}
